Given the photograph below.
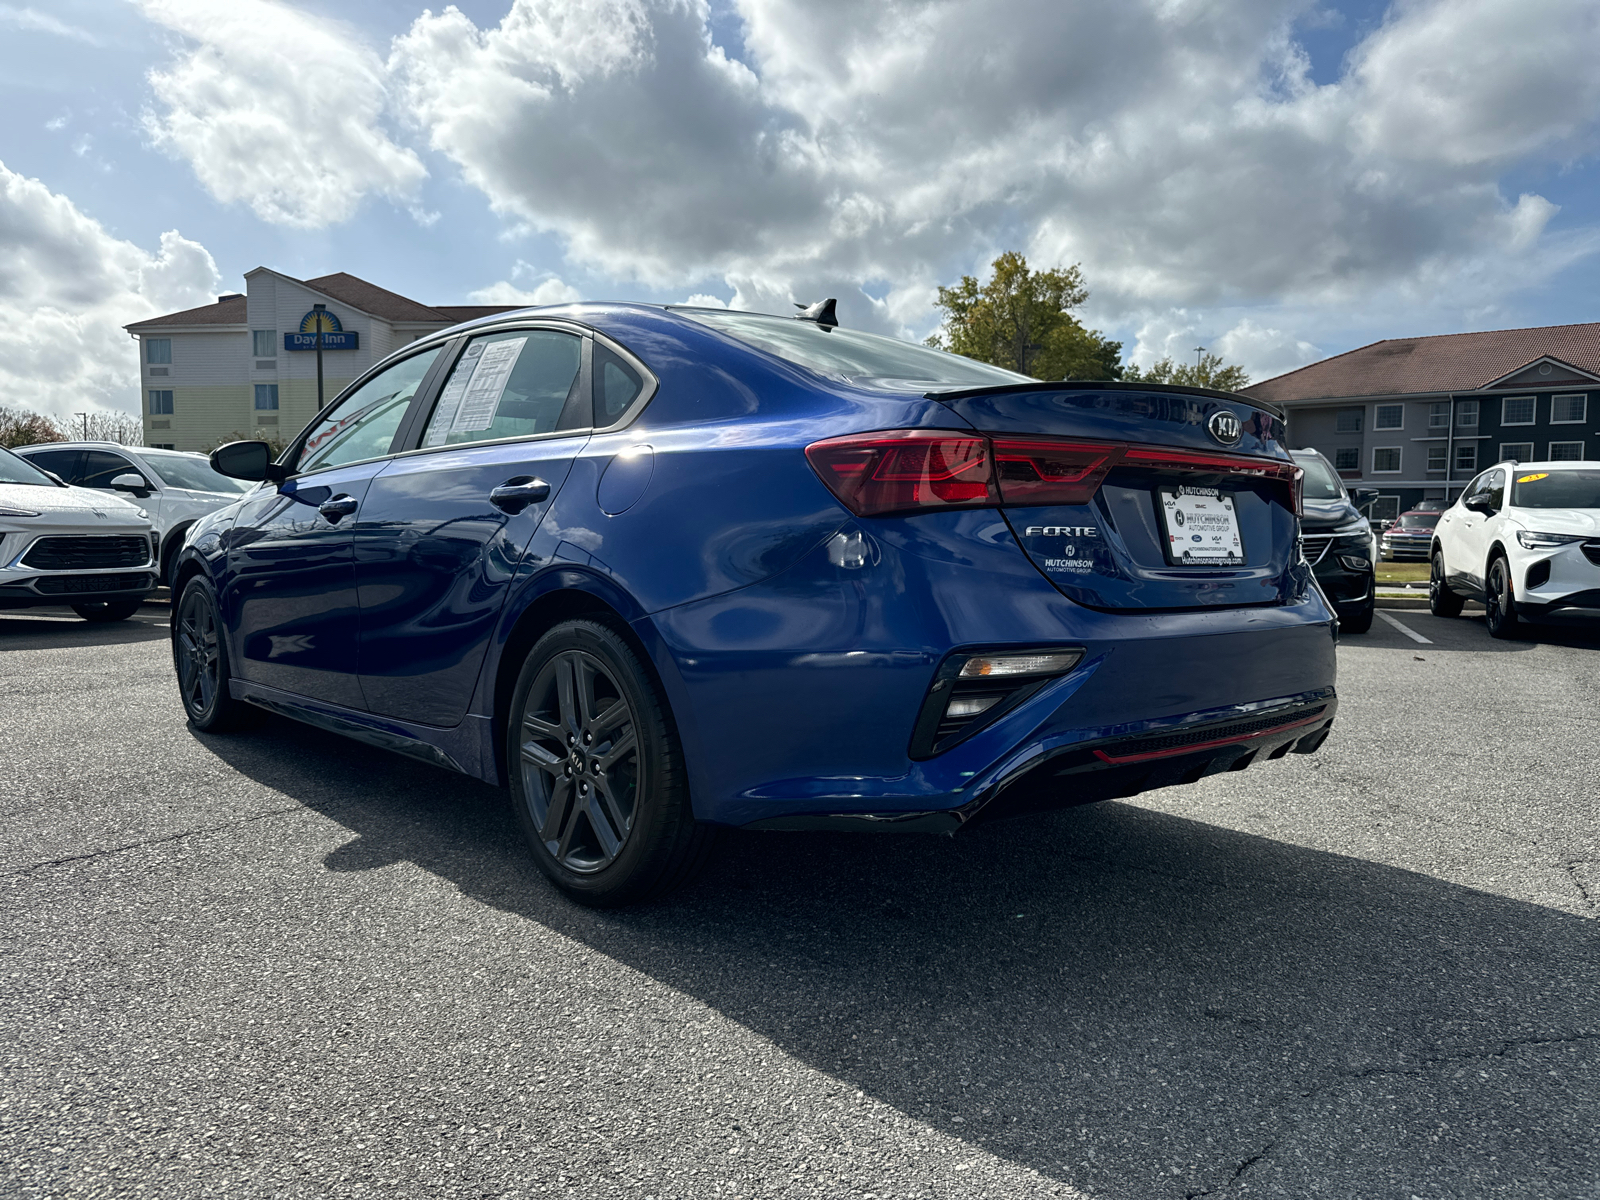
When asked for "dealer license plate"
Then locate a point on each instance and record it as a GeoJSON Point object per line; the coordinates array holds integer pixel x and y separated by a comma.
{"type": "Point", "coordinates": [1202, 527]}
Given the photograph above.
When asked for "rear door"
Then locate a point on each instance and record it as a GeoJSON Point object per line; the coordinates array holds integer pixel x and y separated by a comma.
{"type": "Point", "coordinates": [1133, 499]}
{"type": "Point", "coordinates": [445, 525]}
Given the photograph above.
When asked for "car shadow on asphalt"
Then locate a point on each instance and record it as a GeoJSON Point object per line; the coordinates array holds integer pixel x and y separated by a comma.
{"type": "Point", "coordinates": [1132, 1003]}
{"type": "Point", "coordinates": [61, 628]}
{"type": "Point", "coordinates": [1467, 633]}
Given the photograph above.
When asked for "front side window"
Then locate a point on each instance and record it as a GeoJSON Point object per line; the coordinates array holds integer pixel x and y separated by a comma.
{"type": "Point", "coordinates": [1437, 456]}
{"type": "Point", "coordinates": [1347, 420]}
{"type": "Point", "coordinates": [1467, 456]}
{"type": "Point", "coordinates": [1347, 459]}
{"type": "Point", "coordinates": [1557, 489]}
{"type": "Point", "coordinates": [1516, 410]}
{"type": "Point", "coordinates": [158, 351]}
{"type": "Point", "coordinates": [1568, 410]}
{"type": "Point", "coordinates": [264, 342]}
{"type": "Point", "coordinates": [363, 424]}
{"type": "Point", "coordinates": [1439, 414]}
{"type": "Point", "coordinates": [161, 403]}
{"type": "Point", "coordinates": [512, 384]}
{"type": "Point", "coordinates": [1494, 487]}
{"type": "Point", "coordinates": [1467, 414]}
{"type": "Point", "coordinates": [100, 467]}
{"type": "Point", "coordinates": [1386, 459]}
{"type": "Point", "coordinates": [193, 472]}
{"type": "Point", "coordinates": [1516, 451]}
{"type": "Point", "coordinates": [1389, 416]}
{"type": "Point", "coordinates": [266, 397]}
{"type": "Point", "coordinates": [1566, 451]}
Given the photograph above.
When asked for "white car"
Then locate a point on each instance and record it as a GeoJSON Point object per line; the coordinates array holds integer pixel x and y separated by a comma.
{"type": "Point", "coordinates": [67, 545]}
{"type": "Point", "coordinates": [175, 487]}
{"type": "Point", "coordinates": [1524, 538]}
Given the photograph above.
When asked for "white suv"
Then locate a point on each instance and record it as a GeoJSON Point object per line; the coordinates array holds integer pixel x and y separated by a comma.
{"type": "Point", "coordinates": [176, 488]}
{"type": "Point", "coordinates": [1525, 538]}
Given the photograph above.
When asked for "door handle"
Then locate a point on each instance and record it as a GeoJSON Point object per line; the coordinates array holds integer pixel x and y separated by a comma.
{"type": "Point", "coordinates": [516, 494]}
{"type": "Point", "coordinates": [338, 506]}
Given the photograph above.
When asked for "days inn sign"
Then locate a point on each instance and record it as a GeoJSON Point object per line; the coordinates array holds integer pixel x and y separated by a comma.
{"type": "Point", "coordinates": [333, 335]}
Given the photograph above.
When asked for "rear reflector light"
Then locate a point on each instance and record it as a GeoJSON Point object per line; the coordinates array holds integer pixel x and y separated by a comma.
{"type": "Point", "coordinates": [983, 666]}
{"type": "Point", "coordinates": [906, 470]}
{"type": "Point", "coordinates": [911, 470]}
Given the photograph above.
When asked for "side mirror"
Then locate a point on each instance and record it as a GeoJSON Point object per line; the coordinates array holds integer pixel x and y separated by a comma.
{"type": "Point", "coordinates": [131, 482]}
{"type": "Point", "coordinates": [1364, 495]}
{"type": "Point", "coordinates": [247, 460]}
{"type": "Point", "coordinates": [1478, 504]}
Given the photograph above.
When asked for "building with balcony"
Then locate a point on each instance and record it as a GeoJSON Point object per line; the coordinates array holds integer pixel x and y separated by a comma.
{"type": "Point", "coordinates": [1417, 418]}
{"type": "Point", "coordinates": [246, 366]}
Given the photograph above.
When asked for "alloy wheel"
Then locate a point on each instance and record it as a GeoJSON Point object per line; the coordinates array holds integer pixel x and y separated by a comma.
{"type": "Point", "coordinates": [581, 767]}
{"type": "Point", "coordinates": [198, 660]}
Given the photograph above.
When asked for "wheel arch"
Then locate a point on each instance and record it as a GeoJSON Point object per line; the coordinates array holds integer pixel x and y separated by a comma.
{"type": "Point", "coordinates": [1497, 549]}
{"type": "Point", "coordinates": [171, 544]}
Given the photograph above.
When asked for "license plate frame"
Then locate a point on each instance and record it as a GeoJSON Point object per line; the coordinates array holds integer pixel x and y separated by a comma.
{"type": "Point", "coordinates": [1200, 526]}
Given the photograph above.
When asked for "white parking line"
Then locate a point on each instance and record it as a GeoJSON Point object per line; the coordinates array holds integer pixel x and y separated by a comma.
{"type": "Point", "coordinates": [1405, 629]}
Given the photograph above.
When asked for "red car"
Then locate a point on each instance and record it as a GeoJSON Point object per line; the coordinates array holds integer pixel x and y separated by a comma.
{"type": "Point", "coordinates": [1411, 537]}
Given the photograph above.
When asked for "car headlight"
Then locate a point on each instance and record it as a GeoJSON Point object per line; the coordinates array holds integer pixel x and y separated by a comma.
{"type": "Point", "coordinates": [1355, 562]}
{"type": "Point", "coordinates": [1544, 541]}
{"type": "Point", "coordinates": [16, 512]}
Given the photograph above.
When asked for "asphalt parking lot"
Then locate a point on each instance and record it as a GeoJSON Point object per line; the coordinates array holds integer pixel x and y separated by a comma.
{"type": "Point", "coordinates": [279, 963]}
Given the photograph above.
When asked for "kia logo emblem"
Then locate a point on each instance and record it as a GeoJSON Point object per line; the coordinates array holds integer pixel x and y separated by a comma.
{"type": "Point", "coordinates": [1225, 427]}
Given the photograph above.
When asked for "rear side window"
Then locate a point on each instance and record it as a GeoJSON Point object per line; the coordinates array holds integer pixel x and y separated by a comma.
{"type": "Point", "coordinates": [512, 384]}
{"type": "Point", "coordinates": [616, 385]}
{"type": "Point", "coordinates": [62, 462]}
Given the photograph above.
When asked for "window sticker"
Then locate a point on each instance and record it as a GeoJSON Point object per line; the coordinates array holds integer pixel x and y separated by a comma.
{"type": "Point", "coordinates": [1531, 478]}
{"type": "Point", "coordinates": [471, 398]}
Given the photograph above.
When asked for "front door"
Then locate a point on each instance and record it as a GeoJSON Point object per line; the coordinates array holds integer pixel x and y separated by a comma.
{"type": "Point", "coordinates": [443, 528]}
{"type": "Point", "coordinates": [291, 592]}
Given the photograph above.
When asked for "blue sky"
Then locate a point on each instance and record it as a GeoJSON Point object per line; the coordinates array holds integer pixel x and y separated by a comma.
{"type": "Point", "coordinates": [1277, 179]}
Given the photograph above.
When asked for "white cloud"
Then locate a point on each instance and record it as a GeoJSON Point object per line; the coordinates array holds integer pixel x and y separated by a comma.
{"type": "Point", "coordinates": [66, 289]}
{"type": "Point", "coordinates": [34, 21]}
{"type": "Point", "coordinates": [548, 291]}
{"type": "Point", "coordinates": [278, 109]}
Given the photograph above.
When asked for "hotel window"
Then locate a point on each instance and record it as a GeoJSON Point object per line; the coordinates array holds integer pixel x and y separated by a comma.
{"type": "Point", "coordinates": [266, 397]}
{"type": "Point", "coordinates": [1566, 451]}
{"type": "Point", "coordinates": [1347, 420]}
{"type": "Point", "coordinates": [1467, 456]}
{"type": "Point", "coordinates": [161, 404]}
{"type": "Point", "coordinates": [266, 342]}
{"type": "Point", "coordinates": [1437, 457]}
{"type": "Point", "coordinates": [1389, 416]}
{"type": "Point", "coordinates": [1568, 410]}
{"type": "Point", "coordinates": [1386, 459]}
{"type": "Point", "coordinates": [1347, 459]}
{"type": "Point", "coordinates": [158, 351]}
{"type": "Point", "coordinates": [1467, 414]}
{"type": "Point", "coordinates": [1439, 414]}
{"type": "Point", "coordinates": [1516, 410]}
{"type": "Point", "coordinates": [1516, 451]}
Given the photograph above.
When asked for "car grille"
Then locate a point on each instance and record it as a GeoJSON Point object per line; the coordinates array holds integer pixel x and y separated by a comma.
{"type": "Point", "coordinates": [60, 585]}
{"type": "Point", "coordinates": [86, 553]}
{"type": "Point", "coordinates": [1315, 545]}
{"type": "Point", "coordinates": [1591, 551]}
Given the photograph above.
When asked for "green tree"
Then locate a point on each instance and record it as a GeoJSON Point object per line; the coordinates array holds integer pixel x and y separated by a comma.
{"type": "Point", "coordinates": [1022, 320]}
{"type": "Point", "coordinates": [1209, 372]}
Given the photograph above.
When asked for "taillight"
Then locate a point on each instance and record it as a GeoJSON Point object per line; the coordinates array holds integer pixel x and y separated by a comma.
{"type": "Point", "coordinates": [906, 470]}
{"type": "Point", "coordinates": [1291, 476]}
{"type": "Point", "coordinates": [1039, 471]}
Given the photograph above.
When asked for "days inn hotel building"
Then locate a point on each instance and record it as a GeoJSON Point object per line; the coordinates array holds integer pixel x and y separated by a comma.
{"type": "Point", "coordinates": [246, 366]}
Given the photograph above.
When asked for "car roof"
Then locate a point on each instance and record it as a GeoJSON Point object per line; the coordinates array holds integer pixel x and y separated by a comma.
{"type": "Point", "coordinates": [107, 446]}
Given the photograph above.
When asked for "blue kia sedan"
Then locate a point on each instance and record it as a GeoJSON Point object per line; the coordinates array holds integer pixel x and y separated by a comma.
{"type": "Point", "coordinates": [660, 570]}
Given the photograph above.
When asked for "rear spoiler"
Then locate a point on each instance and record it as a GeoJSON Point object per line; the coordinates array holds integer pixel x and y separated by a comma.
{"type": "Point", "coordinates": [1105, 385]}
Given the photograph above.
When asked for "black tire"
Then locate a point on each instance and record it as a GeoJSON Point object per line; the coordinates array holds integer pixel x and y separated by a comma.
{"type": "Point", "coordinates": [200, 658]}
{"type": "Point", "coordinates": [1359, 620]}
{"type": "Point", "coordinates": [1499, 605]}
{"type": "Point", "coordinates": [596, 771]}
{"type": "Point", "coordinates": [1442, 602]}
{"type": "Point", "coordinates": [102, 612]}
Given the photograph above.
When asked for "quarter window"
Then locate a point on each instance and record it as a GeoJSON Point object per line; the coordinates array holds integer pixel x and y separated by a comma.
{"type": "Point", "coordinates": [1389, 416]}
{"type": "Point", "coordinates": [616, 385]}
{"type": "Point", "coordinates": [1516, 410]}
{"type": "Point", "coordinates": [364, 423]}
{"type": "Point", "coordinates": [1566, 451]}
{"type": "Point", "coordinates": [161, 403]}
{"type": "Point", "coordinates": [1467, 414]}
{"type": "Point", "coordinates": [1568, 410]}
{"type": "Point", "coordinates": [1386, 459]}
{"type": "Point", "coordinates": [266, 397]}
{"type": "Point", "coordinates": [513, 384]}
{"type": "Point", "coordinates": [1347, 459]}
{"type": "Point", "coordinates": [264, 343]}
{"type": "Point", "coordinates": [1437, 457]}
{"type": "Point", "coordinates": [158, 351]}
{"type": "Point", "coordinates": [1347, 420]}
{"type": "Point", "coordinates": [1467, 456]}
{"type": "Point", "coordinates": [1516, 451]}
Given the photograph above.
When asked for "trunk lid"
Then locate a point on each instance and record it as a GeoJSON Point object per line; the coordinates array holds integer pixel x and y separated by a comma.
{"type": "Point", "coordinates": [1195, 509]}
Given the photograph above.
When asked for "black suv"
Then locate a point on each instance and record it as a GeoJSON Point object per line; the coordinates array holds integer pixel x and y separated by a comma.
{"type": "Point", "coordinates": [1338, 543]}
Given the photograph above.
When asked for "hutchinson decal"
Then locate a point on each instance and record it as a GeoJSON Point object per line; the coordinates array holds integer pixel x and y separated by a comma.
{"type": "Point", "coordinates": [333, 335]}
